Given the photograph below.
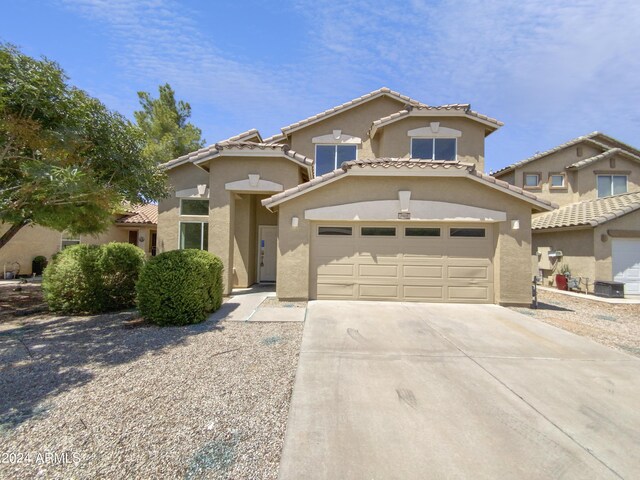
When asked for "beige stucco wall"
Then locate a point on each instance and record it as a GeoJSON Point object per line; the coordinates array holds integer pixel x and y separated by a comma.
{"type": "Point", "coordinates": [577, 247]}
{"type": "Point", "coordinates": [32, 241]}
{"type": "Point", "coordinates": [512, 258]}
{"type": "Point", "coordinates": [394, 142]}
{"type": "Point", "coordinates": [582, 183]}
{"type": "Point", "coordinates": [355, 121]}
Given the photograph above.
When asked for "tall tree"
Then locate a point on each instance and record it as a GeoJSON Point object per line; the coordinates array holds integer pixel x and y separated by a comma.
{"type": "Point", "coordinates": [164, 121]}
{"type": "Point", "coordinates": [66, 161]}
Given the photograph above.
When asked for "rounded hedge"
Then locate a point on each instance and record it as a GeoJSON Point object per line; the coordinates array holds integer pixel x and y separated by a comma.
{"type": "Point", "coordinates": [93, 279]}
{"type": "Point", "coordinates": [180, 287]}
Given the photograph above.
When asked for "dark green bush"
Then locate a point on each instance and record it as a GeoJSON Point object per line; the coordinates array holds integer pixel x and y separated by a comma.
{"type": "Point", "coordinates": [180, 287]}
{"type": "Point", "coordinates": [92, 279]}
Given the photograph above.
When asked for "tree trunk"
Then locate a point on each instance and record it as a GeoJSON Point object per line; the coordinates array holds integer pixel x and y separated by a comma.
{"type": "Point", "coordinates": [9, 234]}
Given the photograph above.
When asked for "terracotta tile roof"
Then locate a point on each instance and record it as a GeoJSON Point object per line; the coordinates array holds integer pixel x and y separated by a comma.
{"type": "Point", "coordinates": [589, 213]}
{"type": "Point", "coordinates": [570, 143]}
{"type": "Point", "coordinates": [602, 156]}
{"type": "Point", "coordinates": [351, 103]}
{"type": "Point", "coordinates": [244, 136]}
{"type": "Point", "coordinates": [465, 108]}
{"type": "Point", "coordinates": [140, 215]}
{"type": "Point", "coordinates": [409, 163]}
{"type": "Point", "coordinates": [205, 152]}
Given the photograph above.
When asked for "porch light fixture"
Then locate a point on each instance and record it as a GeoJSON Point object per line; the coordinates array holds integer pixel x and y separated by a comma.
{"type": "Point", "coordinates": [294, 222]}
{"type": "Point", "coordinates": [515, 224]}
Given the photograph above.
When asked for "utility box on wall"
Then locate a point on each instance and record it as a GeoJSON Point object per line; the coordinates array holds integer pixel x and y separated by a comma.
{"type": "Point", "coordinates": [544, 262]}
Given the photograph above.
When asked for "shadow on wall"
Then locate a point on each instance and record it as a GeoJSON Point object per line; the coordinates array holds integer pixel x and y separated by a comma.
{"type": "Point", "coordinates": [42, 360]}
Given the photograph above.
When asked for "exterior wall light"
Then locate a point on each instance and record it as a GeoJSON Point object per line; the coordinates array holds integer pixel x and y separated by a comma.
{"type": "Point", "coordinates": [294, 222]}
{"type": "Point", "coordinates": [515, 224]}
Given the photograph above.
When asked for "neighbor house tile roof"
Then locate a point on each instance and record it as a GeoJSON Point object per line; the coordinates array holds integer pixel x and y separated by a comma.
{"type": "Point", "coordinates": [140, 215]}
{"type": "Point", "coordinates": [408, 163]}
{"type": "Point", "coordinates": [244, 136]}
{"type": "Point", "coordinates": [602, 156]}
{"type": "Point", "coordinates": [588, 213]}
{"type": "Point", "coordinates": [465, 108]}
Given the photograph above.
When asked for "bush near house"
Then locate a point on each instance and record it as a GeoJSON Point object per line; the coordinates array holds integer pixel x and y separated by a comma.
{"type": "Point", "coordinates": [93, 279]}
{"type": "Point", "coordinates": [180, 287]}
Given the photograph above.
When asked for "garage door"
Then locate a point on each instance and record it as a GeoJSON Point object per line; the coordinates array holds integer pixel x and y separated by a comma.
{"type": "Point", "coordinates": [626, 264]}
{"type": "Point", "coordinates": [422, 263]}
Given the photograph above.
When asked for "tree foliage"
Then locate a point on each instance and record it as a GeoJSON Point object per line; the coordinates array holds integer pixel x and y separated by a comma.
{"type": "Point", "coordinates": [164, 121]}
{"type": "Point", "coordinates": [66, 161]}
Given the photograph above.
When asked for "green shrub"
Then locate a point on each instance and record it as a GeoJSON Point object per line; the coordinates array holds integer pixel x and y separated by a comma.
{"type": "Point", "coordinates": [180, 287]}
{"type": "Point", "coordinates": [92, 279]}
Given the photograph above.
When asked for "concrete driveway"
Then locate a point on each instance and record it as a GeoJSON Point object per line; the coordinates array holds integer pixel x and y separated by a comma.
{"type": "Point", "coordinates": [415, 391]}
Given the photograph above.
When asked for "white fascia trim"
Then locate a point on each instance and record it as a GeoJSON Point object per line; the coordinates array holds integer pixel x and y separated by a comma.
{"type": "Point", "coordinates": [421, 210]}
{"type": "Point", "coordinates": [337, 138]}
{"type": "Point", "coordinates": [519, 196]}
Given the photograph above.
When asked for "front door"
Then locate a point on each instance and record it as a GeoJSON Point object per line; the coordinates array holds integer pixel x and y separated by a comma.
{"type": "Point", "coordinates": [267, 243]}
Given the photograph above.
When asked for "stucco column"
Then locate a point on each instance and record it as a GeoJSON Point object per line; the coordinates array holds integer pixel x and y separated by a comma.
{"type": "Point", "coordinates": [221, 231]}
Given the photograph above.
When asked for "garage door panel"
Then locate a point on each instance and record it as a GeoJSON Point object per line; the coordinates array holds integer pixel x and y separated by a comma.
{"type": "Point", "coordinates": [378, 291]}
{"type": "Point", "coordinates": [374, 270]}
{"type": "Point", "coordinates": [479, 293]}
{"type": "Point", "coordinates": [625, 253]}
{"type": "Point", "coordinates": [423, 271]}
{"type": "Point", "coordinates": [336, 290]}
{"type": "Point", "coordinates": [337, 269]}
{"type": "Point", "coordinates": [468, 272]}
{"type": "Point", "coordinates": [423, 292]}
{"type": "Point", "coordinates": [334, 249]}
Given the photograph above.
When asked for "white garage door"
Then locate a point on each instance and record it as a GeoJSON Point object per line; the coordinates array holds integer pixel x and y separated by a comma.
{"type": "Point", "coordinates": [400, 261]}
{"type": "Point", "coordinates": [626, 264]}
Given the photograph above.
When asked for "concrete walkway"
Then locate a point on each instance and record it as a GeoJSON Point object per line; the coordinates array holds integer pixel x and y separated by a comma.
{"type": "Point", "coordinates": [244, 305]}
{"type": "Point", "coordinates": [416, 391]}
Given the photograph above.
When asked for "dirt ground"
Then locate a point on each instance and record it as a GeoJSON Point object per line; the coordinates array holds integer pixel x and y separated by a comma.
{"type": "Point", "coordinates": [614, 325]}
{"type": "Point", "coordinates": [19, 298]}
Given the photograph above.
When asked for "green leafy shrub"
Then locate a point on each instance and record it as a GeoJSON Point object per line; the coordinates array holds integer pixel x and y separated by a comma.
{"type": "Point", "coordinates": [180, 287]}
{"type": "Point", "coordinates": [92, 279]}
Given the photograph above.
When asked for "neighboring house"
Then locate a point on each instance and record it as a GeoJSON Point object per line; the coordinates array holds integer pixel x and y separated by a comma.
{"type": "Point", "coordinates": [380, 198]}
{"type": "Point", "coordinates": [595, 180]}
{"type": "Point", "coordinates": [136, 225]}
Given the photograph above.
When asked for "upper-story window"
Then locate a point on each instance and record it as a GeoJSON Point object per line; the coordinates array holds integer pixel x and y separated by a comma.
{"type": "Point", "coordinates": [197, 208]}
{"type": "Point", "coordinates": [330, 157]}
{"type": "Point", "coordinates": [531, 180]}
{"type": "Point", "coordinates": [557, 181]}
{"type": "Point", "coordinates": [334, 148]}
{"type": "Point", "coordinates": [611, 185]}
{"type": "Point", "coordinates": [434, 142]}
{"type": "Point", "coordinates": [434, 148]}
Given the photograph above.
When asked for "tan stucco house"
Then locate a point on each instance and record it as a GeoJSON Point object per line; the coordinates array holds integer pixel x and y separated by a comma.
{"type": "Point", "coordinates": [136, 225]}
{"type": "Point", "coordinates": [595, 181]}
{"type": "Point", "coordinates": [380, 198]}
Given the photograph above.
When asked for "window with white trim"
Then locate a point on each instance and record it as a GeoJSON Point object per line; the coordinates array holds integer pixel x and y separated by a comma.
{"type": "Point", "coordinates": [611, 185]}
{"type": "Point", "coordinates": [434, 148]}
{"type": "Point", "coordinates": [67, 240]}
{"type": "Point", "coordinates": [557, 180]}
{"type": "Point", "coordinates": [194, 235]}
{"type": "Point", "coordinates": [330, 157]}
{"type": "Point", "coordinates": [531, 180]}
{"type": "Point", "coordinates": [194, 208]}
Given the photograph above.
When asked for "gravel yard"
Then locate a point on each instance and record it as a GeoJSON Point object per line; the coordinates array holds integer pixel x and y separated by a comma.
{"type": "Point", "coordinates": [113, 397]}
{"type": "Point", "coordinates": [614, 325]}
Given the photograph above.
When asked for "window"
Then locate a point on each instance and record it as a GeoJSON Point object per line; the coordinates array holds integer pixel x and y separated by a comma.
{"type": "Point", "coordinates": [194, 235]}
{"type": "Point", "coordinates": [434, 148]}
{"type": "Point", "coordinates": [194, 207]}
{"type": "Point", "coordinates": [335, 231]}
{"type": "Point", "coordinates": [421, 232]}
{"type": "Point", "coordinates": [330, 157]}
{"type": "Point", "coordinates": [67, 240]}
{"type": "Point", "coordinates": [467, 232]}
{"type": "Point", "coordinates": [611, 185]}
{"type": "Point", "coordinates": [531, 180]}
{"type": "Point", "coordinates": [557, 180]}
{"type": "Point", "coordinates": [378, 231]}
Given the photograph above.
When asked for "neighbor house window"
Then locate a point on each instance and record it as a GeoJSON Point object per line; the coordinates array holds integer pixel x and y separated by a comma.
{"type": "Point", "coordinates": [378, 231]}
{"type": "Point", "coordinates": [434, 148]}
{"type": "Point", "coordinates": [467, 232]}
{"type": "Point", "coordinates": [194, 207]}
{"type": "Point", "coordinates": [531, 180]}
{"type": "Point", "coordinates": [335, 231]}
{"type": "Point", "coordinates": [330, 157]}
{"type": "Point", "coordinates": [557, 180]}
{"type": "Point", "coordinates": [68, 240]}
{"type": "Point", "coordinates": [194, 235]}
{"type": "Point", "coordinates": [611, 185]}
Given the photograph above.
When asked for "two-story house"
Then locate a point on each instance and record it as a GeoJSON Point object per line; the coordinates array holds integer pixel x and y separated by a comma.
{"type": "Point", "coordinates": [595, 180]}
{"type": "Point", "coordinates": [380, 198]}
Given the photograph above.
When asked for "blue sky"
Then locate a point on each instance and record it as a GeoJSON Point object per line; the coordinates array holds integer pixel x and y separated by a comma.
{"type": "Point", "coordinates": [550, 70]}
